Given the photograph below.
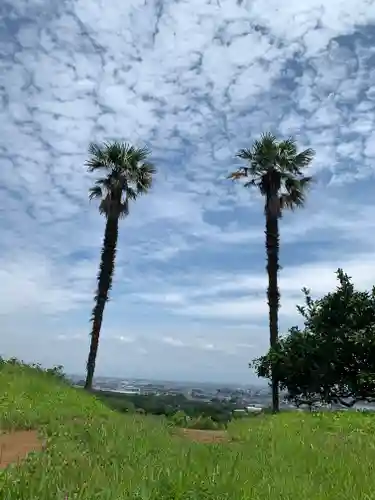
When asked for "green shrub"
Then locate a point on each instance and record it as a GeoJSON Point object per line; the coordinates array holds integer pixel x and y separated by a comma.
{"type": "Point", "coordinates": [204, 423]}
{"type": "Point", "coordinates": [55, 371]}
{"type": "Point", "coordinates": [179, 419]}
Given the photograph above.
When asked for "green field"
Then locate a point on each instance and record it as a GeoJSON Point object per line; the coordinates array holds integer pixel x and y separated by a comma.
{"type": "Point", "coordinates": [93, 452]}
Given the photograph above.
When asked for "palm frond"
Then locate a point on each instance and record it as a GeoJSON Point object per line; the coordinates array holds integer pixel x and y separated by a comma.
{"type": "Point", "coordinates": [129, 175]}
{"type": "Point", "coordinates": [250, 183]}
{"type": "Point", "coordinates": [265, 152]}
{"type": "Point", "coordinates": [95, 192]}
{"type": "Point", "coordinates": [295, 192]}
{"type": "Point", "coordinates": [98, 157]}
{"type": "Point", "coordinates": [276, 168]}
{"type": "Point", "coordinates": [298, 162]}
{"type": "Point", "coordinates": [104, 182]}
{"type": "Point", "coordinates": [304, 158]}
{"type": "Point", "coordinates": [292, 200]}
{"type": "Point", "coordinates": [131, 193]}
{"type": "Point", "coordinates": [143, 184]}
{"type": "Point", "coordinates": [239, 174]}
{"type": "Point", "coordinates": [245, 154]}
{"type": "Point", "coordinates": [268, 140]}
{"type": "Point", "coordinates": [292, 183]}
{"type": "Point", "coordinates": [117, 153]}
{"type": "Point", "coordinates": [306, 182]}
{"type": "Point", "coordinates": [141, 176]}
{"type": "Point", "coordinates": [140, 155]}
{"type": "Point", "coordinates": [105, 205]}
{"type": "Point", "coordinates": [124, 208]}
{"type": "Point", "coordinates": [267, 145]}
{"type": "Point", "coordinates": [288, 147]}
{"type": "Point", "coordinates": [144, 173]}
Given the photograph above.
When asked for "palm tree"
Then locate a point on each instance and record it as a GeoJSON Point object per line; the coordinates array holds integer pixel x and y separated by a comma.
{"type": "Point", "coordinates": [276, 169]}
{"type": "Point", "coordinates": [126, 175]}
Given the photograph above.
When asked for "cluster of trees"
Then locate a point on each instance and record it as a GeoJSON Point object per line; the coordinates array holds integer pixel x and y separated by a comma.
{"type": "Point", "coordinates": [177, 408]}
{"type": "Point", "coordinates": [276, 168]}
{"type": "Point", "coordinates": [330, 360]}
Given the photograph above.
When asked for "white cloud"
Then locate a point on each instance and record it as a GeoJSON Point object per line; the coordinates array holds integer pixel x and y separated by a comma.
{"type": "Point", "coordinates": [30, 283]}
{"type": "Point", "coordinates": [239, 297]}
{"type": "Point", "coordinates": [370, 145]}
{"type": "Point", "coordinates": [195, 80]}
{"type": "Point", "coordinates": [70, 337]}
{"type": "Point", "coordinates": [172, 341]}
{"type": "Point", "coordinates": [197, 343]}
{"type": "Point", "coordinates": [122, 338]}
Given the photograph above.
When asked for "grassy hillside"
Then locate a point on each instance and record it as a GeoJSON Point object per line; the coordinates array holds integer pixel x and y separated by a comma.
{"type": "Point", "coordinates": [95, 453]}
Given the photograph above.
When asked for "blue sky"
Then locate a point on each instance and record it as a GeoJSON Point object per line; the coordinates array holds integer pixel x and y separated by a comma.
{"type": "Point", "coordinates": [195, 81]}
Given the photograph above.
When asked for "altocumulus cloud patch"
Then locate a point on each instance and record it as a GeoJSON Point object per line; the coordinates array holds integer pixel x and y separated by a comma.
{"type": "Point", "coordinates": [195, 81]}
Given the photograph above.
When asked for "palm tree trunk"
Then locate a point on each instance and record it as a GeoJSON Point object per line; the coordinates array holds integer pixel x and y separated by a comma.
{"type": "Point", "coordinates": [105, 276]}
{"type": "Point", "coordinates": [272, 246]}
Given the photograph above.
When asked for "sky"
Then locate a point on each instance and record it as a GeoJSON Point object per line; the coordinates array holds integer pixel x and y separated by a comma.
{"type": "Point", "coordinates": [195, 81]}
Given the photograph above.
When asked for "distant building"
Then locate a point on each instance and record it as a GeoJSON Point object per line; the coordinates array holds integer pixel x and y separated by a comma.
{"type": "Point", "coordinates": [254, 409]}
{"type": "Point", "coordinates": [243, 412]}
{"type": "Point", "coordinates": [130, 389]}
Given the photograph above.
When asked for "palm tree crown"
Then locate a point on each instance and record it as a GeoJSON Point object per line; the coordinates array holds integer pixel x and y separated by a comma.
{"type": "Point", "coordinates": [275, 168]}
{"type": "Point", "coordinates": [128, 175]}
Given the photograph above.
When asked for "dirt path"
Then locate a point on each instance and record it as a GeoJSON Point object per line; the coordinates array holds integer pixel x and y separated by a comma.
{"type": "Point", "coordinates": [15, 446]}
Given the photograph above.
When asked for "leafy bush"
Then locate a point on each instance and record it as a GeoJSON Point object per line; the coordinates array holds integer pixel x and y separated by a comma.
{"type": "Point", "coordinates": [332, 358]}
{"type": "Point", "coordinates": [55, 371]}
{"type": "Point", "coordinates": [180, 419]}
{"type": "Point", "coordinates": [204, 423]}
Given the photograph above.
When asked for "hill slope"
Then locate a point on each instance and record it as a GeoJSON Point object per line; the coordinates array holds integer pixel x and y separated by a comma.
{"type": "Point", "coordinates": [92, 452]}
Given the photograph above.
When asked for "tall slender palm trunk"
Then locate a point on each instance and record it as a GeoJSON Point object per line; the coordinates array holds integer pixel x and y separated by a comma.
{"type": "Point", "coordinates": [105, 276]}
{"type": "Point", "coordinates": [272, 247]}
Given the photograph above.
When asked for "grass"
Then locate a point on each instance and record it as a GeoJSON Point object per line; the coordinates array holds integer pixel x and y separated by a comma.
{"type": "Point", "coordinates": [95, 453]}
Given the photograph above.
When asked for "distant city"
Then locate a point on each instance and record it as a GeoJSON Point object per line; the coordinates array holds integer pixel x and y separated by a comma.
{"type": "Point", "coordinates": [241, 395]}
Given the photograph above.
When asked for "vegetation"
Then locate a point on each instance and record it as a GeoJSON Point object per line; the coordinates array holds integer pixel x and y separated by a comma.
{"type": "Point", "coordinates": [275, 168]}
{"type": "Point", "coordinates": [332, 358]}
{"type": "Point", "coordinates": [127, 175]}
{"type": "Point", "coordinates": [218, 412]}
{"type": "Point", "coordinates": [202, 422]}
{"type": "Point", "coordinates": [95, 453]}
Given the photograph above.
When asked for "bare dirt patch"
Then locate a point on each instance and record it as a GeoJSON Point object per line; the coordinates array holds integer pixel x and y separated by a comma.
{"type": "Point", "coordinates": [16, 445]}
{"type": "Point", "coordinates": [202, 436]}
